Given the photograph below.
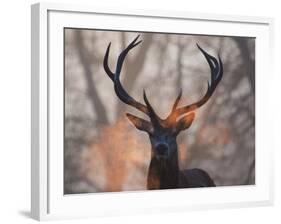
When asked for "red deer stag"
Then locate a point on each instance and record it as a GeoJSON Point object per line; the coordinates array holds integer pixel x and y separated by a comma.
{"type": "Point", "coordinates": [164, 170]}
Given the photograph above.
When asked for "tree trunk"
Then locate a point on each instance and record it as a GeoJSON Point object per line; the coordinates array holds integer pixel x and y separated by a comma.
{"type": "Point", "coordinates": [84, 56]}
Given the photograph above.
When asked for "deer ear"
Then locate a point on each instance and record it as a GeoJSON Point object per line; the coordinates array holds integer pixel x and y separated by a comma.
{"type": "Point", "coordinates": [184, 122]}
{"type": "Point", "coordinates": [140, 123]}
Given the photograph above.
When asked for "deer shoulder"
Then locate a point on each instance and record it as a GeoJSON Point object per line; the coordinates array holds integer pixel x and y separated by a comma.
{"type": "Point", "coordinates": [195, 178]}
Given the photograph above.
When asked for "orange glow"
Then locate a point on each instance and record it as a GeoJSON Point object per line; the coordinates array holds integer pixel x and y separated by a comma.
{"type": "Point", "coordinates": [117, 157]}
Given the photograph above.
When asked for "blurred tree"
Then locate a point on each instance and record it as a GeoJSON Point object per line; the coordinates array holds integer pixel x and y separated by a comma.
{"type": "Point", "coordinates": [86, 59]}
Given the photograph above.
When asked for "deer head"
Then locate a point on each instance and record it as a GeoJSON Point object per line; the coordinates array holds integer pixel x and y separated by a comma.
{"type": "Point", "coordinates": [162, 132]}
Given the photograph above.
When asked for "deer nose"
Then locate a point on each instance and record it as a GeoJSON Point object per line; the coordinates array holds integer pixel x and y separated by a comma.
{"type": "Point", "coordinates": [162, 149]}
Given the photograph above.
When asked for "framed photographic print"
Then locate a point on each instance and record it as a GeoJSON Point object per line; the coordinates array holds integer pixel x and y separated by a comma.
{"type": "Point", "coordinates": [146, 111]}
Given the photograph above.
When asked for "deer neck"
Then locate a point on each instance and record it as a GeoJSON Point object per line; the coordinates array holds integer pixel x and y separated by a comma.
{"type": "Point", "coordinates": [163, 174]}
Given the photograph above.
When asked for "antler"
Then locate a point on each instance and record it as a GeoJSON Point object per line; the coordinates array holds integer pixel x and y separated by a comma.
{"type": "Point", "coordinates": [120, 91]}
{"type": "Point", "coordinates": [216, 68]}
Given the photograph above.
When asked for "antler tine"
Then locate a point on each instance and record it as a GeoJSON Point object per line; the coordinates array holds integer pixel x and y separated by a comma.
{"type": "Point", "coordinates": [172, 116]}
{"type": "Point", "coordinates": [124, 53]}
{"type": "Point", "coordinates": [153, 116]}
{"type": "Point", "coordinates": [213, 63]}
{"type": "Point", "coordinates": [115, 77]}
{"type": "Point", "coordinates": [216, 68]}
{"type": "Point", "coordinates": [120, 58]}
{"type": "Point", "coordinates": [105, 63]}
{"type": "Point", "coordinates": [177, 101]}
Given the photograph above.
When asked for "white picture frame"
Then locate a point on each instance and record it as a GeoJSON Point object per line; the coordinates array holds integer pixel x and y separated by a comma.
{"type": "Point", "coordinates": [48, 201]}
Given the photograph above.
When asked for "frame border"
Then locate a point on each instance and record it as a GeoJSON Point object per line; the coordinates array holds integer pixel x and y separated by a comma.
{"type": "Point", "coordinates": [40, 88]}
